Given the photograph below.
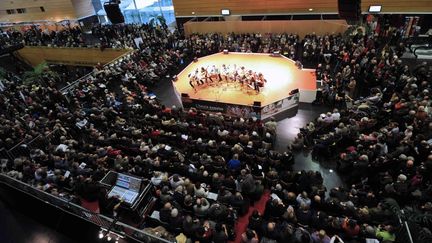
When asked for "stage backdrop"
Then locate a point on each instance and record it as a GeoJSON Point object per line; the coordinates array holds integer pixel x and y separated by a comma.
{"type": "Point", "coordinates": [301, 27]}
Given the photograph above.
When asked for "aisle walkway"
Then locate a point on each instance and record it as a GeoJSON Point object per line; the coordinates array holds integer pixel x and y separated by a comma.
{"type": "Point", "coordinates": [243, 222]}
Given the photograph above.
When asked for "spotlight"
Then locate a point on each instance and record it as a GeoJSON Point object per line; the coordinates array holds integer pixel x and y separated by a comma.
{"type": "Point", "coordinates": [108, 238]}
{"type": "Point", "coordinates": [311, 9]}
{"type": "Point", "coordinates": [101, 235]}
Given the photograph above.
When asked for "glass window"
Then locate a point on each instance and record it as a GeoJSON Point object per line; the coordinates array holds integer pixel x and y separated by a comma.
{"type": "Point", "coordinates": [145, 11]}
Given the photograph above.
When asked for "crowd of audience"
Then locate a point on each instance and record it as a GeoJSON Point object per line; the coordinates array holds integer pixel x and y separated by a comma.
{"type": "Point", "coordinates": [34, 36]}
{"type": "Point", "coordinates": [123, 36]}
{"type": "Point", "coordinates": [110, 121]}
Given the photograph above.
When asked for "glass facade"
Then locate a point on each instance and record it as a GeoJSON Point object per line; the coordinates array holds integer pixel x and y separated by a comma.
{"type": "Point", "coordinates": [142, 11]}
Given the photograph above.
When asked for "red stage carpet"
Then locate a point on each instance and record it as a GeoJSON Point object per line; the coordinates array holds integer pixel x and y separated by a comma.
{"type": "Point", "coordinates": [243, 222]}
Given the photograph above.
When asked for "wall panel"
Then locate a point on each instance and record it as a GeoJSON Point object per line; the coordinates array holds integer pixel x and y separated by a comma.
{"type": "Point", "coordinates": [83, 8]}
{"type": "Point", "coordinates": [69, 56]}
{"type": "Point", "coordinates": [55, 10]}
{"type": "Point", "coordinates": [301, 27]}
{"type": "Point", "coordinates": [244, 7]}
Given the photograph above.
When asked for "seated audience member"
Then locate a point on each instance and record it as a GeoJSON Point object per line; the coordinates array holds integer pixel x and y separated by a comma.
{"type": "Point", "coordinates": [320, 237]}
{"type": "Point", "coordinates": [220, 234]}
{"type": "Point", "coordinates": [234, 163]}
{"type": "Point", "coordinates": [250, 236]}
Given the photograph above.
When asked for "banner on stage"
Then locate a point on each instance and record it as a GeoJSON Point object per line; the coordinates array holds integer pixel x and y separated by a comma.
{"type": "Point", "coordinates": [280, 105]}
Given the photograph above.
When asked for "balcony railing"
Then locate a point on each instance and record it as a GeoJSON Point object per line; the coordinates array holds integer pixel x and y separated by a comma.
{"type": "Point", "coordinates": [65, 205]}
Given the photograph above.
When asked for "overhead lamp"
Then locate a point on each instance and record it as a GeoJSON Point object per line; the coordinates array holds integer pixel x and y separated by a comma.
{"type": "Point", "coordinates": [311, 9]}
{"type": "Point", "coordinates": [375, 8]}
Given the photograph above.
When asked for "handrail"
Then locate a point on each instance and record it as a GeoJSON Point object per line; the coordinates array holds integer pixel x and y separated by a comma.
{"type": "Point", "coordinates": [424, 47]}
{"type": "Point", "coordinates": [76, 210]}
{"type": "Point", "coordinates": [63, 203]}
{"type": "Point", "coordinates": [67, 88]}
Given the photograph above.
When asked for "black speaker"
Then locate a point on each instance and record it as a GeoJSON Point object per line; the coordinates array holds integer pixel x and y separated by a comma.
{"type": "Point", "coordinates": [257, 103]}
{"type": "Point", "coordinates": [113, 12]}
{"type": "Point", "coordinates": [349, 9]}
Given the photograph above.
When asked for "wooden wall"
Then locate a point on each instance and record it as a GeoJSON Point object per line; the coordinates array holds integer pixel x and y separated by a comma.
{"type": "Point", "coordinates": [262, 7]}
{"type": "Point", "coordinates": [83, 8]}
{"type": "Point", "coordinates": [55, 10]}
{"type": "Point", "coordinates": [400, 6]}
{"type": "Point", "coordinates": [69, 56]}
{"type": "Point", "coordinates": [301, 27]}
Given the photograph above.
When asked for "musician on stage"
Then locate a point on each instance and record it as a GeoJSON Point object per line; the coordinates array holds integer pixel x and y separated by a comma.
{"type": "Point", "coordinates": [226, 71]}
{"type": "Point", "coordinates": [215, 72]}
{"type": "Point", "coordinates": [193, 80]}
{"type": "Point", "coordinates": [261, 80]}
{"type": "Point", "coordinates": [234, 73]}
{"type": "Point", "coordinates": [252, 80]}
{"type": "Point", "coordinates": [204, 75]}
{"type": "Point", "coordinates": [198, 78]}
{"type": "Point", "coordinates": [242, 75]}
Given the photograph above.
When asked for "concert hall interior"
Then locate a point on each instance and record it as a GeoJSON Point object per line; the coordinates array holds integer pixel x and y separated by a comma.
{"type": "Point", "coordinates": [215, 121]}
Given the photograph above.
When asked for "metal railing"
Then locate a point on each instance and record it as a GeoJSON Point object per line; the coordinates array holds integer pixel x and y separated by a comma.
{"type": "Point", "coordinates": [66, 205]}
{"type": "Point", "coordinates": [68, 88]}
{"type": "Point", "coordinates": [24, 147]}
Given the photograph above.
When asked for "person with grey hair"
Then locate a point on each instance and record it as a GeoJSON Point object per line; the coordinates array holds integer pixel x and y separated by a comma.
{"type": "Point", "coordinates": [201, 207]}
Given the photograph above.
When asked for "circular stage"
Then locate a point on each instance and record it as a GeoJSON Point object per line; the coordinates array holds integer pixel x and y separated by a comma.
{"type": "Point", "coordinates": [284, 86]}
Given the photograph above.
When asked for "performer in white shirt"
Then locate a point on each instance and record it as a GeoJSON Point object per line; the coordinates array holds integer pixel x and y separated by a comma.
{"type": "Point", "coordinates": [234, 73]}
{"type": "Point", "coordinates": [204, 75]}
{"type": "Point", "coordinates": [193, 80]}
{"type": "Point", "coordinates": [197, 77]}
{"type": "Point", "coordinates": [226, 71]}
{"type": "Point", "coordinates": [216, 72]}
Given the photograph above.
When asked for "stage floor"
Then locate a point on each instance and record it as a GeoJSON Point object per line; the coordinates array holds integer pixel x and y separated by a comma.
{"type": "Point", "coordinates": [281, 73]}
